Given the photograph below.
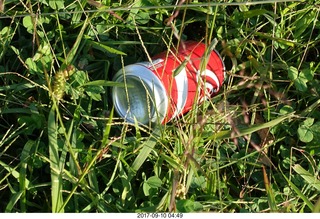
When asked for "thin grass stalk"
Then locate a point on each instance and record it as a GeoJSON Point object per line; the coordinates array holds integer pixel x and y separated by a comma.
{"type": "Point", "coordinates": [105, 142]}
{"type": "Point", "coordinates": [73, 166]}
{"type": "Point", "coordinates": [59, 161]}
{"type": "Point", "coordinates": [209, 38]}
{"type": "Point", "coordinates": [109, 184]}
{"type": "Point", "coordinates": [68, 148]}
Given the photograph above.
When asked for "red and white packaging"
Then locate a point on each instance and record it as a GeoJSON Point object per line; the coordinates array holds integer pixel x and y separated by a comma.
{"type": "Point", "coordinates": [167, 87]}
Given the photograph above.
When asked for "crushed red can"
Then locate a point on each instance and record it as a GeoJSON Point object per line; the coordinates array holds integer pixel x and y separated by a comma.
{"type": "Point", "coordinates": [169, 86]}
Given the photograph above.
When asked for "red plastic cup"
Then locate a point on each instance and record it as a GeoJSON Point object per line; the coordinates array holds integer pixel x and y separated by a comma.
{"type": "Point", "coordinates": [167, 87]}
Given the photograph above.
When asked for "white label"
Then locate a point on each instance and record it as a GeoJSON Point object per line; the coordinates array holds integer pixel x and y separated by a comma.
{"type": "Point", "coordinates": [208, 87]}
{"type": "Point", "coordinates": [154, 65]}
{"type": "Point", "coordinates": [182, 91]}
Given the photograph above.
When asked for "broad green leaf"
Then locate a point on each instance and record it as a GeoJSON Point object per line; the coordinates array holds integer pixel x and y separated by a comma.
{"type": "Point", "coordinates": [152, 183]}
{"type": "Point", "coordinates": [315, 128]}
{"type": "Point", "coordinates": [305, 134]}
{"type": "Point", "coordinates": [15, 50]}
{"type": "Point", "coordinates": [95, 92]}
{"type": "Point", "coordinates": [32, 66]}
{"type": "Point", "coordinates": [243, 8]}
{"type": "Point", "coordinates": [35, 121]}
{"type": "Point", "coordinates": [307, 73]}
{"type": "Point", "coordinates": [188, 205]}
{"type": "Point", "coordinates": [16, 110]}
{"type": "Point", "coordinates": [134, 11]}
{"type": "Point", "coordinates": [142, 17]}
{"type": "Point", "coordinates": [300, 84]}
{"type": "Point", "coordinates": [293, 72]}
{"type": "Point", "coordinates": [56, 4]}
{"type": "Point", "coordinates": [199, 182]}
{"type": "Point", "coordinates": [43, 50]}
{"type": "Point", "coordinates": [17, 87]}
{"type": "Point", "coordinates": [146, 189]}
{"type": "Point", "coordinates": [308, 122]}
{"type": "Point", "coordinates": [300, 79]}
{"type": "Point", "coordinates": [5, 31]}
{"type": "Point", "coordinates": [286, 109]}
{"type": "Point", "coordinates": [80, 77]}
{"type": "Point", "coordinates": [27, 23]}
{"type": "Point", "coordinates": [289, 7]}
{"type": "Point", "coordinates": [45, 2]}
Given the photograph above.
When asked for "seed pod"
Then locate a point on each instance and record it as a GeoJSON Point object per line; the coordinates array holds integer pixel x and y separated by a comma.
{"type": "Point", "coordinates": [60, 80]}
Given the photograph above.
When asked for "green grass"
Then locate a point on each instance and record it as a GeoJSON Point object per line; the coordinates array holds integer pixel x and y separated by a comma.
{"type": "Point", "coordinates": [252, 148]}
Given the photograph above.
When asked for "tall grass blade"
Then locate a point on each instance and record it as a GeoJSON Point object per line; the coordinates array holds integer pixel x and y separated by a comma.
{"type": "Point", "coordinates": [145, 151]}
{"type": "Point", "coordinates": [71, 55]}
{"type": "Point", "coordinates": [246, 131]}
{"type": "Point", "coordinates": [172, 162]}
{"type": "Point", "coordinates": [271, 198]}
{"type": "Point", "coordinates": [56, 177]}
{"type": "Point", "coordinates": [14, 199]}
{"type": "Point", "coordinates": [317, 207]}
{"type": "Point", "coordinates": [107, 129]}
{"type": "Point", "coordinates": [105, 48]}
{"type": "Point", "coordinates": [57, 162]}
{"type": "Point", "coordinates": [12, 172]}
{"type": "Point", "coordinates": [104, 142]}
{"type": "Point", "coordinates": [307, 176]}
{"type": "Point", "coordinates": [104, 83]}
{"type": "Point", "coordinates": [23, 173]}
{"type": "Point", "coordinates": [299, 193]}
{"type": "Point", "coordinates": [127, 193]}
